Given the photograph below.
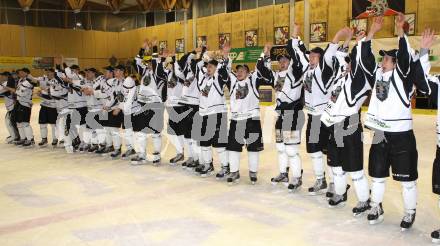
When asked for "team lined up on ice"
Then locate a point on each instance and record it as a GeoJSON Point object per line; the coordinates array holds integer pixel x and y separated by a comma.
{"type": "Point", "coordinates": [87, 109]}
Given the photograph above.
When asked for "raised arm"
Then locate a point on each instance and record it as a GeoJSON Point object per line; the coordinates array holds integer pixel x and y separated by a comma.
{"type": "Point", "coordinates": [367, 59]}
{"type": "Point", "coordinates": [403, 54]}
{"type": "Point", "coordinates": [263, 68]}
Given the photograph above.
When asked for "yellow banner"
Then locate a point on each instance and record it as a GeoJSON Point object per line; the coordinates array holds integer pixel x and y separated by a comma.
{"type": "Point", "coordinates": [15, 62]}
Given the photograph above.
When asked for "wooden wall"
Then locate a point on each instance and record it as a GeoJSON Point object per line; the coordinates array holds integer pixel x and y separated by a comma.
{"type": "Point", "coordinates": [94, 48]}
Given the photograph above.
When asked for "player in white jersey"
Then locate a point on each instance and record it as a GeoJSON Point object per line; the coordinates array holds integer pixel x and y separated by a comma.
{"type": "Point", "coordinates": [148, 119]}
{"type": "Point", "coordinates": [389, 115]}
{"type": "Point", "coordinates": [316, 82]}
{"type": "Point", "coordinates": [94, 133]}
{"type": "Point", "coordinates": [212, 127]}
{"type": "Point", "coordinates": [288, 86]}
{"type": "Point", "coordinates": [186, 70]}
{"type": "Point", "coordinates": [104, 93]}
{"type": "Point", "coordinates": [77, 106]}
{"type": "Point", "coordinates": [245, 124]}
{"type": "Point", "coordinates": [23, 107]}
{"type": "Point", "coordinates": [176, 111]}
{"type": "Point", "coordinates": [127, 103]}
{"type": "Point", "coordinates": [349, 90]}
{"type": "Point", "coordinates": [7, 89]}
{"type": "Point", "coordinates": [117, 118]}
{"type": "Point", "coordinates": [48, 111]}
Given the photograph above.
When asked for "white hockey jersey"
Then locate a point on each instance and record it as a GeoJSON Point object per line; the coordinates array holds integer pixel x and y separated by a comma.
{"type": "Point", "coordinates": [348, 91]}
{"type": "Point", "coordinates": [24, 91]}
{"type": "Point", "coordinates": [212, 97]}
{"type": "Point", "coordinates": [316, 80]}
{"type": "Point", "coordinates": [390, 105]}
{"type": "Point", "coordinates": [46, 98]}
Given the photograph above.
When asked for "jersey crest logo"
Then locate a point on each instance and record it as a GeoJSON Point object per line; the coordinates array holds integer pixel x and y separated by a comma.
{"type": "Point", "coordinates": [280, 83]}
{"type": "Point", "coordinates": [241, 91]}
{"type": "Point", "coordinates": [172, 82]}
{"type": "Point", "coordinates": [308, 82]}
{"type": "Point", "coordinates": [188, 81]}
{"type": "Point", "coordinates": [382, 89]}
{"type": "Point", "coordinates": [147, 80]}
{"type": "Point", "coordinates": [335, 94]}
{"type": "Point", "coordinates": [205, 91]}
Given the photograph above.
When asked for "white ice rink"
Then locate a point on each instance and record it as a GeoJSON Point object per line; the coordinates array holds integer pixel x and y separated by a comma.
{"type": "Point", "coordinates": [49, 197]}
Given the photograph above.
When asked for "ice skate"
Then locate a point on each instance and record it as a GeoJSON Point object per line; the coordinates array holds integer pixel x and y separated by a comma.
{"type": "Point", "coordinates": [282, 178]}
{"type": "Point", "coordinates": [435, 236]}
{"type": "Point", "coordinates": [54, 143]}
{"type": "Point", "coordinates": [233, 177]}
{"type": "Point", "coordinates": [361, 208]}
{"type": "Point", "coordinates": [177, 158]}
{"type": "Point", "coordinates": [116, 154]}
{"type": "Point", "coordinates": [187, 162]}
{"type": "Point", "coordinates": [295, 184]}
{"type": "Point", "coordinates": [129, 152]}
{"type": "Point", "coordinates": [223, 173]}
{"type": "Point", "coordinates": [319, 187]}
{"type": "Point", "coordinates": [156, 159]}
{"type": "Point", "coordinates": [43, 143]}
{"type": "Point", "coordinates": [138, 160]}
{"type": "Point", "coordinates": [207, 170]}
{"type": "Point", "coordinates": [408, 221]}
{"type": "Point", "coordinates": [253, 177]}
{"type": "Point", "coordinates": [375, 216]}
{"type": "Point", "coordinates": [330, 190]}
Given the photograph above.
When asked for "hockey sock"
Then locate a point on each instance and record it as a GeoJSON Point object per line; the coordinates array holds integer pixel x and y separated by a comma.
{"type": "Point", "coordinates": [141, 142]}
{"type": "Point", "coordinates": [409, 193]}
{"type": "Point", "coordinates": [87, 136]}
{"type": "Point", "coordinates": [253, 161]}
{"type": "Point", "coordinates": [292, 152]}
{"type": "Point", "coordinates": [282, 157]}
{"type": "Point", "coordinates": [43, 130]}
{"type": "Point", "coordinates": [176, 143]}
{"type": "Point", "coordinates": [108, 136]}
{"type": "Point", "coordinates": [196, 150]}
{"type": "Point", "coordinates": [157, 142]}
{"type": "Point", "coordinates": [234, 161]}
{"type": "Point", "coordinates": [377, 191]}
{"type": "Point", "coordinates": [101, 135]}
{"type": "Point", "coordinates": [28, 131]}
{"type": "Point", "coordinates": [128, 138]}
{"type": "Point", "coordinates": [21, 131]}
{"type": "Point", "coordinates": [116, 137]}
{"type": "Point", "coordinates": [223, 156]}
{"type": "Point", "coordinates": [189, 147]}
{"type": "Point", "coordinates": [54, 133]}
{"type": "Point", "coordinates": [360, 183]}
{"type": "Point", "coordinates": [318, 164]}
{"type": "Point", "coordinates": [206, 155]}
{"type": "Point", "coordinates": [340, 180]}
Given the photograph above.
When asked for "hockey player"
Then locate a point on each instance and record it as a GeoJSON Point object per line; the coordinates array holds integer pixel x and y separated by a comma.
{"type": "Point", "coordinates": [342, 115]}
{"type": "Point", "coordinates": [212, 126]}
{"type": "Point", "coordinates": [94, 133]}
{"type": "Point", "coordinates": [148, 120]}
{"type": "Point", "coordinates": [176, 111]}
{"type": "Point", "coordinates": [116, 116]}
{"type": "Point", "coordinates": [316, 82]}
{"type": "Point", "coordinates": [245, 125]}
{"type": "Point", "coordinates": [48, 112]}
{"type": "Point", "coordinates": [389, 115]}
{"type": "Point", "coordinates": [288, 86]}
{"type": "Point", "coordinates": [77, 106]}
{"type": "Point", "coordinates": [7, 89]}
{"type": "Point", "coordinates": [105, 93]}
{"type": "Point", "coordinates": [186, 69]}
{"type": "Point", "coordinates": [23, 107]}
